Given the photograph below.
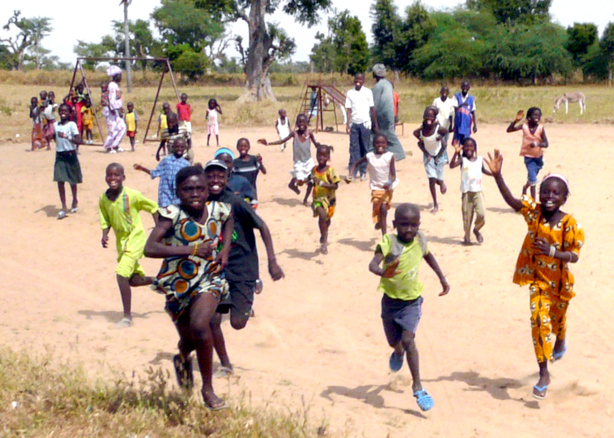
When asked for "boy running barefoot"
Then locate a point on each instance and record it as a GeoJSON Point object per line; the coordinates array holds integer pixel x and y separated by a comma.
{"type": "Point", "coordinates": [401, 254]}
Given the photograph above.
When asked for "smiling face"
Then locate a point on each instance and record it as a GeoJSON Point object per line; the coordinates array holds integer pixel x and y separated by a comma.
{"type": "Point", "coordinates": [407, 222]}
{"type": "Point", "coordinates": [359, 79]}
{"type": "Point", "coordinates": [430, 115]}
{"type": "Point", "coordinates": [534, 117]}
{"type": "Point", "coordinates": [216, 178]}
{"type": "Point", "coordinates": [552, 195]}
{"type": "Point", "coordinates": [243, 147]}
{"type": "Point", "coordinates": [380, 144]}
{"type": "Point", "coordinates": [115, 176]}
{"type": "Point", "coordinates": [192, 194]}
{"type": "Point", "coordinates": [179, 147]}
{"type": "Point", "coordinates": [465, 87]}
{"type": "Point", "coordinates": [323, 156]}
{"type": "Point", "coordinates": [469, 148]}
{"type": "Point", "coordinates": [444, 92]}
{"type": "Point", "coordinates": [184, 98]}
{"type": "Point", "coordinates": [301, 123]}
{"type": "Point", "coordinates": [64, 112]}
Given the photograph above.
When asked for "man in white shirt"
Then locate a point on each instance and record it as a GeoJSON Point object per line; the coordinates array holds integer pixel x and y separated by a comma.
{"type": "Point", "coordinates": [361, 110]}
{"type": "Point", "coordinates": [445, 115]}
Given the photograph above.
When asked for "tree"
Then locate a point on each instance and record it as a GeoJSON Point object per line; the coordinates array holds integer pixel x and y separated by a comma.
{"type": "Point", "coordinates": [264, 45]}
{"type": "Point", "coordinates": [580, 37]}
{"type": "Point", "coordinates": [512, 11]}
{"type": "Point", "coordinates": [94, 50]}
{"type": "Point", "coordinates": [606, 44]}
{"type": "Point", "coordinates": [385, 29]}
{"type": "Point", "coordinates": [323, 54]}
{"type": "Point", "coordinates": [414, 32]}
{"type": "Point", "coordinates": [31, 32]}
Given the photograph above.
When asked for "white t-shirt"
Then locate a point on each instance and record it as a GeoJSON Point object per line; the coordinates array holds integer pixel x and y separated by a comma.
{"type": "Point", "coordinates": [446, 110]}
{"type": "Point", "coordinates": [379, 170]}
{"type": "Point", "coordinates": [471, 175]}
{"type": "Point", "coordinates": [360, 102]}
{"type": "Point", "coordinates": [70, 130]}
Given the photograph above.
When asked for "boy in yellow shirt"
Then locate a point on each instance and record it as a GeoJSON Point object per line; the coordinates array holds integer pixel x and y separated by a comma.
{"type": "Point", "coordinates": [132, 121]}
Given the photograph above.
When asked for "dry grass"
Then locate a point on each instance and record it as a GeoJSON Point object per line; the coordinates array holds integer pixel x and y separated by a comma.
{"type": "Point", "coordinates": [496, 104]}
{"type": "Point", "coordinates": [36, 399]}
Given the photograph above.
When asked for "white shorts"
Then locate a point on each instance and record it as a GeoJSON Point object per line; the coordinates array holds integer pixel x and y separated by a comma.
{"type": "Point", "coordinates": [186, 125]}
{"type": "Point", "coordinates": [302, 169]}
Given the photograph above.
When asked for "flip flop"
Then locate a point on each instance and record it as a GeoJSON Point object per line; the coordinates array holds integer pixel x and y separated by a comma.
{"type": "Point", "coordinates": [217, 407]}
{"type": "Point", "coordinates": [396, 361]}
{"type": "Point", "coordinates": [61, 214]}
{"type": "Point", "coordinates": [559, 355]}
{"type": "Point", "coordinates": [540, 392]}
{"type": "Point", "coordinates": [424, 400]}
{"type": "Point", "coordinates": [183, 372]}
{"type": "Point", "coordinates": [224, 372]}
{"type": "Point", "coordinates": [74, 209]}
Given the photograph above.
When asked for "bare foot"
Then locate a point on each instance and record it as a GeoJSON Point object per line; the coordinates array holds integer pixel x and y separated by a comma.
{"type": "Point", "coordinates": [378, 226]}
{"type": "Point", "coordinates": [324, 249]}
{"type": "Point", "coordinates": [466, 242]}
{"type": "Point", "coordinates": [295, 189]}
{"type": "Point", "coordinates": [212, 401]}
{"type": "Point", "coordinates": [443, 188]}
{"type": "Point", "coordinates": [478, 236]}
{"type": "Point", "coordinates": [306, 203]}
{"type": "Point", "coordinates": [435, 209]}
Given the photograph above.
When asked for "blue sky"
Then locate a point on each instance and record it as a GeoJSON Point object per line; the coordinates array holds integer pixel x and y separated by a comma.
{"type": "Point", "coordinates": [72, 23]}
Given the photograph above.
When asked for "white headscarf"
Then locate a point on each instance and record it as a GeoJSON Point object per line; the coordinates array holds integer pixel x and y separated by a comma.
{"type": "Point", "coordinates": [113, 70]}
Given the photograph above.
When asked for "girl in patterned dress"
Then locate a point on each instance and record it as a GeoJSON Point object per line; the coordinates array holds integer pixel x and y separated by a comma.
{"type": "Point", "coordinates": [188, 236]}
{"type": "Point", "coordinates": [553, 240]}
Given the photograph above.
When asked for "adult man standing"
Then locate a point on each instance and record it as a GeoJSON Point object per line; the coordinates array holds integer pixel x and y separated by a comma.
{"type": "Point", "coordinates": [360, 109]}
{"type": "Point", "coordinates": [384, 110]}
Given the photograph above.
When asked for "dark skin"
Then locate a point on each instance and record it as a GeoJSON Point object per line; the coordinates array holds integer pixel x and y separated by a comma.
{"type": "Point", "coordinates": [301, 131]}
{"type": "Point", "coordinates": [179, 148]}
{"type": "Point", "coordinates": [213, 105]}
{"type": "Point", "coordinates": [470, 149]}
{"type": "Point", "coordinates": [380, 145]}
{"type": "Point", "coordinates": [64, 113]}
{"type": "Point", "coordinates": [533, 123]}
{"type": "Point", "coordinates": [465, 87]}
{"type": "Point", "coordinates": [427, 129]}
{"type": "Point", "coordinates": [184, 100]}
{"type": "Point", "coordinates": [166, 109]}
{"type": "Point", "coordinates": [115, 178]}
{"type": "Point", "coordinates": [407, 223]}
{"type": "Point", "coordinates": [243, 147]}
{"type": "Point", "coordinates": [194, 327]}
{"type": "Point", "coordinates": [444, 93]}
{"type": "Point", "coordinates": [359, 80]}
{"type": "Point", "coordinates": [323, 157]}
{"type": "Point", "coordinates": [217, 179]}
{"type": "Point", "coordinates": [552, 195]}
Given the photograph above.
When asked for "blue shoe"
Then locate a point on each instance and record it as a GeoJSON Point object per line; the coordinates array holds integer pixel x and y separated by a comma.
{"type": "Point", "coordinates": [396, 361]}
{"type": "Point", "coordinates": [424, 400]}
{"type": "Point", "coordinates": [559, 355]}
{"type": "Point", "coordinates": [540, 392]}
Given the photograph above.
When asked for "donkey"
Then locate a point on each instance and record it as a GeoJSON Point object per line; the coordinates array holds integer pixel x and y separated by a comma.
{"type": "Point", "coordinates": [572, 97]}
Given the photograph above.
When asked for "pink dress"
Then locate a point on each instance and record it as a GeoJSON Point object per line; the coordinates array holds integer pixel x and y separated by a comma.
{"type": "Point", "coordinates": [212, 117]}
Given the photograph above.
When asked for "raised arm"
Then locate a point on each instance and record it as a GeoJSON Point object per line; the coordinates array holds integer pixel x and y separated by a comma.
{"type": "Point", "coordinates": [276, 142]}
{"type": "Point", "coordinates": [456, 158]}
{"type": "Point", "coordinates": [513, 127]}
{"type": "Point", "coordinates": [494, 165]}
{"type": "Point", "coordinates": [141, 168]}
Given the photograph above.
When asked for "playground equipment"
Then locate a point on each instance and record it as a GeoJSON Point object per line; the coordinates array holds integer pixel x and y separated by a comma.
{"type": "Point", "coordinates": [167, 69]}
{"type": "Point", "coordinates": [317, 100]}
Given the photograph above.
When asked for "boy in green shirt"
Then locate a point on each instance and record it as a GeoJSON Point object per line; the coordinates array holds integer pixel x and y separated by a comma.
{"type": "Point", "coordinates": [402, 301]}
{"type": "Point", "coordinates": [119, 210]}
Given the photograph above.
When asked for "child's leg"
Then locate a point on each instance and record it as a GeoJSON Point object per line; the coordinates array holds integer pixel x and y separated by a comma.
{"type": "Point", "coordinates": [533, 191]}
{"type": "Point", "coordinates": [433, 190]}
{"type": "Point", "coordinates": [160, 148]}
{"type": "Point", "coordinates": [218, 340]}
{"type": "Point", "coordinates": [480, 215]}
{"type": "Point", "coordinates": [75, 201]}
{"type": "Point", "coordinates": [382, 216]}
{"type": "Point", "coordinates": [126, 294]}
{"type": "Point", "coordinates": [408, 341]}
{"type": "Point", "coordinates": [208, 137]}
{"type": "Point", "coordinates": [132, 142]}
{"type": "Point", "coordinates": [558, 316]}
{"type": "Point", "coordinates": [202, 310]}
{"type": "Point", "coordinates": [307, 193]}
{"type": "Point", "coordinates": [541, 331]}
{"type": "Point", "coordinates": [467, 211]}
{"type": "Point", "coordinates": [217, 140]}
{"type": "Point", "coordinates": [292, 186]}
{"type": "Point", "coordinates": [323, 225]}
{"type": "Point", "coordinates": [62, 192]}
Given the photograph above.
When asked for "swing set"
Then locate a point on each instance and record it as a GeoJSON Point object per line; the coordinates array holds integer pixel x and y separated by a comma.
{"type": "Point", "coordinates": [166, 70]}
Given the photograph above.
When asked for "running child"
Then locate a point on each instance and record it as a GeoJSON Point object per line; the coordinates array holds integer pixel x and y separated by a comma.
{"type": "Point", "coordinates": [67, 168]}
{"type": "Point", "coordinates": [87, 118]}
{"type": "Point", "coordinates": [167, 171]}
{"type": "Point", "coordinates": [132, 124]}
{"type": "Point", "coordinates": [472, 167]}
{"type": "Point", "coordinates": [401, 254]}
{"type": "Point", "coordinates": [214, 110]}
{"type": "Point", "coordinates": [184, 112]}
{"type": "Point", "coordinates": [430, 136]}
{"type": "Point", "coordinates": [464, 114]}
{"type": "Point", "coordinates": [237, 183]}
{"type": "Point", "coordinates": [38, 136]}
{"type": "Point", "coordinates": [325, 184]}
{"type": "Point", "coordinates": [119, 210]}
{"type": "Point", "coordinates": [553, 240]}
{"type": "Point", "coordinates": [302, 138]}
{"type": "Point", "coordinates": [248, 166]}
{"type": "Point", "coordinates": [282, 125]}
{"type": "Point", "coordinates": [534, 141]}
{"type": "Point", "coordinates": [383, 179]}
{"type": "Point", "coordinates": [187, 237]}
{"type": "Point", "coordinates": [242, 271]}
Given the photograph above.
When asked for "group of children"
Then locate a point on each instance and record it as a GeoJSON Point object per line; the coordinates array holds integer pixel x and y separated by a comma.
{"type": "Point", "coordinates": [205, 220]}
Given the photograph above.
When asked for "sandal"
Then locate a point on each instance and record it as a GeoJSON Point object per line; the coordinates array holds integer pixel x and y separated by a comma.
{"type": "Point", "coordinates": [424, 400]}
{"type": "Point", "coordinates": [540, 392]}
{"type": "Point", "coordinates": [224, 372]}
{"type": "Point", "coordinates": [183, 372]}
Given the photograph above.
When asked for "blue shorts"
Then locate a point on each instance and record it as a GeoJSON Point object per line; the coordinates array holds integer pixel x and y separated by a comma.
{"type": "Point", "coordinates": [534, 165]}
{"type": "Point", "coordinates": [400, 315]}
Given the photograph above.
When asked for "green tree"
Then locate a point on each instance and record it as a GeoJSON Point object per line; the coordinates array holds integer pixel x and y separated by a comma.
{"type": "Point", "coordinates": [323, 54]}
{"type": "Point", "coordinates": [580, 37]}
{"type": "Point", "coordinates": [606, 44]}
{"type": "Point", "coordinates": [104, 49]}
{"type": "Point", "coordinates": [30, 33]}
{"type": "Point", "coordinates": [186, 61]}
{"type": "Point", "coordinates": [416, 27]}
{"type": "Point", "coordinates": [264, 45]}
{"type": "Point", "coordinates": [512, 11]}
{"type": "Point", "coordinates": [385, 29]}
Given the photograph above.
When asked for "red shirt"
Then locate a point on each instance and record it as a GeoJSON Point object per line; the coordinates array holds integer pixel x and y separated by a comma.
{"type": "Point", "coordinates": [395, 100]}
{"type": "Point", "coordinates": [184, 112]}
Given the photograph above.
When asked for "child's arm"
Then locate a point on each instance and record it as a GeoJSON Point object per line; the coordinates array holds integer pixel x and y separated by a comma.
{"type": "Point", "coordinates": [154, 248]}
{"type": "Point", "coordinates": [456, 158]}
{"type": "Point", "coordinates": [276, 142]}
{"type": "Point", "coordinates": [485, 171]}
{"type": "Point", "coordinates": [417, 133]}
{"type": "Point", "coordinates": [274, 269]}
{"type": "Point", "coordinates": [262, 168]}
{"type": "Point", "coordinates": [392, 176]}
{"type": "Point", "coordinates": [277, 126]}
{"type": "Point", "coordinates": [389, 272]}
{"type": "Point", "coordinates": [313, 139]}
{"type": "Point", "coordinates": [354, 166]}
{"type": "Point", "coordinates": [142, 169]}
{"type": "Point", "coordinates": [495, 164]}
{"type": "Point", "coordinates": [475, 121]}
{"type": "Point", "coordinates": [544, 144]}
{"type": "Point", "coordinates": [105, 237]}
{"type": "Point", "coordinates": [429, 258]}
{"type": "Point", "coordinates": [513, 127]}
{"type": "Point", "coordinates": [136, 123]}
{"type": "Point", "coordinates": [227, 229]}
{"type": "Point", "coordinates": [218, 108]}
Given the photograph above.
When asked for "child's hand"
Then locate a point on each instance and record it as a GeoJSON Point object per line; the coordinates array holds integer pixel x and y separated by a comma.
{"type": "Point", "coordinates": [275, 270]}
{"type": "Point", "coordinates": [541, 246]}
{"type": "Point", "coordinates": [204, 251]}
{"type": "Point", "coordinates": [519, 115]}
{"type": "Point", "coordinates": [495, 163]}
{"type": "Point", "coordinates": [446, 288]}
{"type": "Point", "coordinates": [391, 269]}
{"type": "Point", "coordinates": [263, 141]}
{"type": "Point", "coordinates": [259, 158]}
{"type": "Point", "coordinates": [104, 241]}
{"type": "Point", "coordinates": [457, 148]}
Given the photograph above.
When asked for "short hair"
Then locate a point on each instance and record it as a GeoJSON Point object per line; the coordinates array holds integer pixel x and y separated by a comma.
{"type": "Point", "coordinates": [188, 172]}
{"type": "Point", "coordinates": [325, 148]}
{"type": "Point", "coordinates": [244, 139]}
{"type": "Point", "coordinates": [379, 135]}
{"type": "Point", "coordinates": [172, 117]}
{"type": "Point", "coordinates": [66, 106]}
{"type": "Point", "coordinates": [432, 108]}
{"type": "Point", "coordinates": [301, 116]}
{"type": "Point", "coordinates": [115, 166]}
{"type": "Point", "coordinates": [532, 110]}
{"type": "Point", "coordinates": [406, 209]}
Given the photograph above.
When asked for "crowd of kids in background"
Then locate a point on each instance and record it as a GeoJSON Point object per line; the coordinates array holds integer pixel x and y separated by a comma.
{"type": "Point", "coordinates": [205, 217]}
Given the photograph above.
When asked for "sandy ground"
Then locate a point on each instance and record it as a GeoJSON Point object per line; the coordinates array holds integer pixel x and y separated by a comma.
{"type": "Point", "coordinates": [316, 342]}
